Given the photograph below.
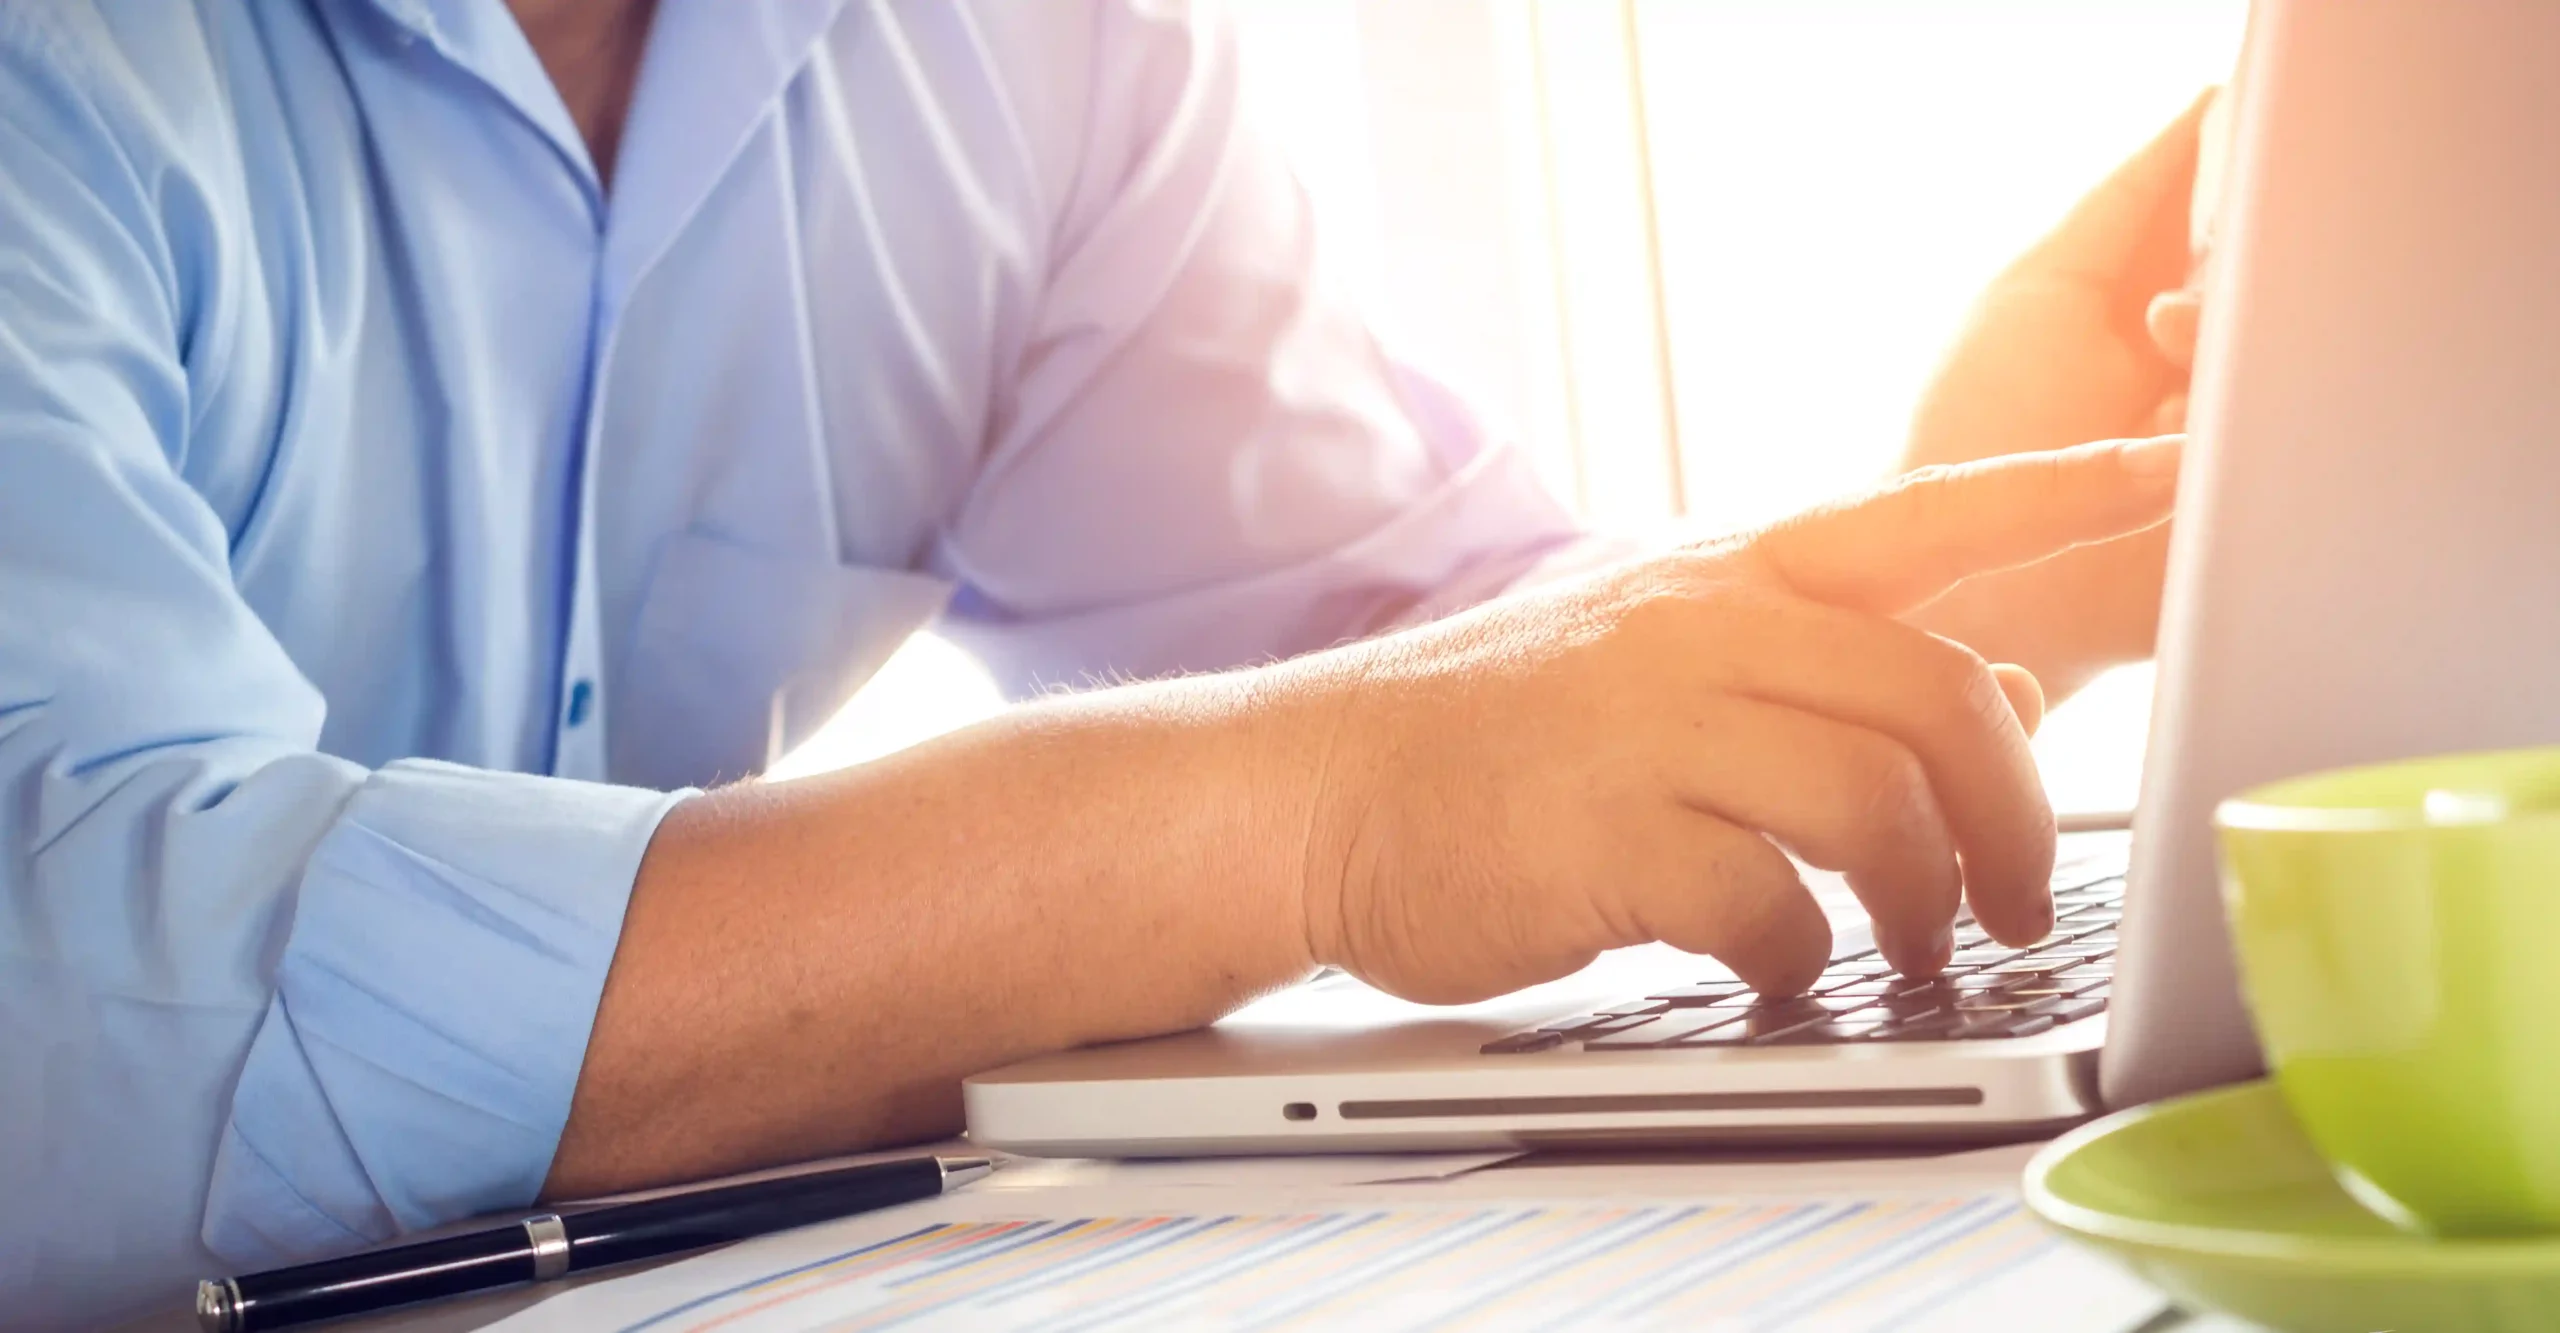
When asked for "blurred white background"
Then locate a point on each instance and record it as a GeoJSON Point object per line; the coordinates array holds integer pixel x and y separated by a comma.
{"type": "Point", "coordinates": [1697, 255]}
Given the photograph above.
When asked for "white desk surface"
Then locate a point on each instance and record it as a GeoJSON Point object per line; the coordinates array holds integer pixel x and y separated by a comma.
{"type": "Point", "coordinates": [1687, 1172]}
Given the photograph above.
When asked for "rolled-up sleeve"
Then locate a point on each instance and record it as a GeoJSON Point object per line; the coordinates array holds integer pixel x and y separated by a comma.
{"type": "Point", "coordinates": [1204, 457]}
{"type": "Point", "coordinates": [254, 1000]}
{"type": "Point", "coordinates": [449, 940]}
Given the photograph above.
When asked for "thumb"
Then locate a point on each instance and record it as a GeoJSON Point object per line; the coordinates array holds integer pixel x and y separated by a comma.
{"type": "Point", "coordinates": [2172, 319]}
{"type": "Point", "coordinates": [1899, 547]}
{"type": "Point", "coordinates": [2025, 692]}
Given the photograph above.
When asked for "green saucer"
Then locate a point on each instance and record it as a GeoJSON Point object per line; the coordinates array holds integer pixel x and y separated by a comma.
{"type": "Point", "coordinates": [2219, 1201]}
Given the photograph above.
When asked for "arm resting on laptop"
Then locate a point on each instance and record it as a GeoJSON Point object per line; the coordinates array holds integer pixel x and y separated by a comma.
{"type": "Point", "coordinates": [1449, 813]}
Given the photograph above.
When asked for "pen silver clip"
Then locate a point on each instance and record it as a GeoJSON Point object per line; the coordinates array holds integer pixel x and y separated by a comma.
{"type": "Point", "coordinates": [549, 1238]}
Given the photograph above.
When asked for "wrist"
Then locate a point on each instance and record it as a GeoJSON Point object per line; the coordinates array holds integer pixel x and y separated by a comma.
{"type": "Point", "coordinates": [1310, 742]}
{"type": "Point", "coordinates": [1233, 754]}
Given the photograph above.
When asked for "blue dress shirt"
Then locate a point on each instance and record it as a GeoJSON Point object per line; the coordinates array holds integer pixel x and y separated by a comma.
{"type": "Point", "coordinates": [393, 523]}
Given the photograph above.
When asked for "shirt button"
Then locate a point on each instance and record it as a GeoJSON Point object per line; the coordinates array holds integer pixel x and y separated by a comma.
{"type": "Point", "coordinates": [582, 697]}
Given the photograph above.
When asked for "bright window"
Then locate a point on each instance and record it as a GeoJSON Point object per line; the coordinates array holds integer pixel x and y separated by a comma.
{"type": "Point", "coordinates": [1698, 255]}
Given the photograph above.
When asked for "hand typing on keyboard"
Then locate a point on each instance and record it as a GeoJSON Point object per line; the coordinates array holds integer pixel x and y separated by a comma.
{"type": "Point", "coordinates": [1448, 812]}
{"type": "Point", "coordinates": [1621, 760]}
{"type": "Point", "coordinates": [1986, 990]}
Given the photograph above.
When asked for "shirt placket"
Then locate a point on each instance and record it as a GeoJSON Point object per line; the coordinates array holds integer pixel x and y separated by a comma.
{"type": "Point", "coordinates": [487, 48]}
{"type": "Point", "coordinates": [578, 741]}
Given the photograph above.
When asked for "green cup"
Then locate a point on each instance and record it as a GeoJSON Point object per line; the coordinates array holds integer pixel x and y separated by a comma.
{"type": "Point", "coordinates": [2398, 929]}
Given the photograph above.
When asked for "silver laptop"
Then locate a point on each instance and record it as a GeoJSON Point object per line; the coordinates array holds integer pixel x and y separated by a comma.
{"type": "Point", "coordinates": [2367, 564]}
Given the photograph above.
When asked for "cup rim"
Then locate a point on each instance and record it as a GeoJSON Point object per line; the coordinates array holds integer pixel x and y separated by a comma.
{"type": "Point", "coordinates": [2262, 808]}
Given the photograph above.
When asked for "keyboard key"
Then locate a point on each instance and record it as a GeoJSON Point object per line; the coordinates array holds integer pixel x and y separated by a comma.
{"type": "Point", "coordinates": [2069, 1010]}
{"type": "Point", "coordinates": [1727, 1034]}
{"type": "Point", "coordinates": [2003, 1025]}
{"type": "Point", "coordinates": [1923, 1000]}
{"type": "Point", "coordinates": [1673, 1027]}
{"type": "Point", "coordinates": [1850, 1027]}
{"type": "Point", "coordinates": [1991, 1002]}
{"type": "Point", "coordinates": [2037, 988]}
{"type": "Point", "coordinates": [1989, 989]}
{"type": "Point", "coordinates": [1593, 1025]}
{"type": "Point", "coordinates": [1939, 1026]}
{"type": "Point", "coordinates": [1703, 993]}
{"type": "Point", "coordinates": [2027, 976]}
{"type": "Point", "coordinates": [1628, 1030]}
{"type": "Point", "coordinates": [1787, 1015]}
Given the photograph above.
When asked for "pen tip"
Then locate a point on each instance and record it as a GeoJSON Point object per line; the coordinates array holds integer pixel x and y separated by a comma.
{"type": "Point", "coordinates": [959, 1171]}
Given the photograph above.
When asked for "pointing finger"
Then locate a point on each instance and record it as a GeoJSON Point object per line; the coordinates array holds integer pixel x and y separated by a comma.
{"type": "Point", "coordinates": [1897, 548]}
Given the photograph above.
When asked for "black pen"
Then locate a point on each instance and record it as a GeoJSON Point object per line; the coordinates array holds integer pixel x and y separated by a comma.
{"type": "Point", "coordinates": [554, 1245]}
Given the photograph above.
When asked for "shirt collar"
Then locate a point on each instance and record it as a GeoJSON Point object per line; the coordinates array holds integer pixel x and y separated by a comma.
{"type": "Point", "coordinates": [482, 38]}
{"type": "Point", "coordinates": [713, 71]}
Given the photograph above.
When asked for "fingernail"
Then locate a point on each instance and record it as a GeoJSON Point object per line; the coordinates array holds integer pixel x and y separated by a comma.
{"type": "Point", "coordinates": [2176, 297]}
{"type": "Point", "coordinates": [2152, 458]}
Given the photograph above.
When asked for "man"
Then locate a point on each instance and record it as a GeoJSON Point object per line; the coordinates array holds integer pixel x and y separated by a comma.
{"type": "Point", "coordinates": [436, 439]}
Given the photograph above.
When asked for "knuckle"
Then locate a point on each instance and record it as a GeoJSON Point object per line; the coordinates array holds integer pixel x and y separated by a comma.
{"type": "Point", "coordinates": [1927, 493]}
{"type": "Point", "coordinates": [1667, 600]}
{"type": "Point", "coordinates": [1655, 611]}
{"type": "Point", "coordinates": [1983, 701]}
{"type": "Point", "coordinates": [2050, 474]}
{"type": "Point", "coordinates": [1704, 557]}
{"type": "Point", "coordinates": [1967, 695]}
{"type": "Point", "coordinates": [1943, 509]}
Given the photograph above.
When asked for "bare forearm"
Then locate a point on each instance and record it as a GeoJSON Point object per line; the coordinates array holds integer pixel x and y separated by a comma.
{"type": "Point", "coordinates": [1449, 813]}
{"type": "Point", "coordinates": [812, 966]}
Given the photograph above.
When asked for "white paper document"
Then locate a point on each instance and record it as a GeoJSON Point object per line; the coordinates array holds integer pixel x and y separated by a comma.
{"type": "Point", "coordinates": [1038, 1173]}
{"type": "Point", "coordinates": [1156, 1257]}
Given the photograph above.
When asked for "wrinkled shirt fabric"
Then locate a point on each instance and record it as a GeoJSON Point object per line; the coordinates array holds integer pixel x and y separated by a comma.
{"type": "Point", "coordinates": [394, 523]}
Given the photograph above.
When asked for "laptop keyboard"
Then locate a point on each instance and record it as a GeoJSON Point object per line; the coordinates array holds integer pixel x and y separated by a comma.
{"type": "Point", "coordinates": [1988, 991]}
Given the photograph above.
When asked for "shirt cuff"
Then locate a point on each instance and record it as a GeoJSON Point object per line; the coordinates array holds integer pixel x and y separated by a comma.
{"type": "Point", "coordinates": [431, 1008]}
